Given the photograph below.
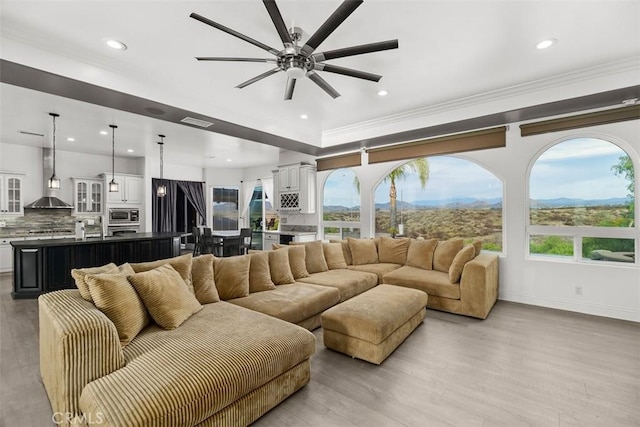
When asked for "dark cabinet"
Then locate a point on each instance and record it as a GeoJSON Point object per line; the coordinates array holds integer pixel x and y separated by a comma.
{"type": "Point", "coordinates": [44, 267]}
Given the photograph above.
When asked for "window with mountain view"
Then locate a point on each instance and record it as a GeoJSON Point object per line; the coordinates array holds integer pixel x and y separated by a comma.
{"type": "Point", "coordinates": [581, 202]}
{"type": "Point", "coordinates": [341, 205]}
{"type": "Point", "coordinates": [441, 197]}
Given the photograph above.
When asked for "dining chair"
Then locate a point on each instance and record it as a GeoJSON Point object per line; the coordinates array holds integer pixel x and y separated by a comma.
{"type": "Point", "coordinates": [196, 241]}
{"type": "Point", "coordinates": [208, 244]}
{"type": "Point", "coordinates": [245, 245]}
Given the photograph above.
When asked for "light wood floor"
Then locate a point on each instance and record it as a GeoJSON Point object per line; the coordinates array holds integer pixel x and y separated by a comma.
{"type": "Point", "coordinates": [523, 366]}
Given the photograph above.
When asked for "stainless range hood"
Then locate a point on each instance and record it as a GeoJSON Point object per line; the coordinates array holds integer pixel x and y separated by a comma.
{"type": "Point", "coordinates": [50, 201]}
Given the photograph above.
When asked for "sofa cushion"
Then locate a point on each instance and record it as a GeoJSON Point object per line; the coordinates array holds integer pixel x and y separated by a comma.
{"type": "Point", "coordinates": [182, 264]}
{"type": "Point", "coordinates": [363, 251]}
{"type": "Point", "coordinates": [445, 253]}
{"type": "Point", "coordinates": [279, 267]}
{"type": "Point", "coordinates": [463, 256]}
{"type": "Point", "coordinates": [345, 250]}
{"type": "Point", "coordinates": [297, 260]}
{"type": "Point", "coordinates": [334, 256]}
{"type": "Point", "coordinates": [348, 282]}
{"type": "Point", "coordinates": [79, 274]}
{"type": "Point", "coordinates": [393, 250]}
{"type": "Point", "coordinates": [380, 269]}
{"type": "Point", "coordinates": [432, 282]}
{"type": "Point", "coordinates": [420, 253]}
{"type": "Point", "coordinates": [259, 273]}
{"type": "Point", "coordinates": [292, 303]}
{"type": "Point", "coordinates": [202, 277]}
{"type": "Point", "coordinates": [232, 276]}
{"type": "Point", "coordinates": [225, 352]}
{"type": "Point", "coordinates": [314, 257]}
{"type": "Point", "coordinates": [477, 246]}
{"type": "Point", "coordinates": [113, 295]}
{"type": "Point", "coordinates": [165, 295]}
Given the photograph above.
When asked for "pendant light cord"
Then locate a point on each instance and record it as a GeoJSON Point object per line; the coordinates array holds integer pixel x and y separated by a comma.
{"type": "Point", "coordinates": [54, 145]}
{"type": "Point", "coordinates": [113, 153]}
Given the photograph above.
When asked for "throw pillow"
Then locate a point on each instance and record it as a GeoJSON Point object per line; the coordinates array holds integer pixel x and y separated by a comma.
{"type": "Point", "coordinates": [259, 274]}
{"type": "Point", "coordinates": [166, 296]}
{"type": "Point", "coordinates": [79, 274]}
{"type": "Point", "coordinates": [314, 258]}
{"type": "Point", "coordinates": [393, 250]}
{"type": "Point", "coordinates": [334, 255]}
{"type": "Point", "coordinates": [204, 284]}
{"type": "Point", "coordinates": [113, 295]}
{"type": "Point", "coordinates": [363, 251]}
{"type": "Point", "coordinates": [465, 255]}
{"type": "Point", "coordinates": [345, 250]}
{"type": "Point", "coordinates": [297, 261]}
{"type": "Point", "coordinates": [420, 253]}
{"type": "Point", "coordinates": [279, 267]}
{"type": "Point", "coordinates": [445, 252]}
{"type": "Point", "coordinates": [232, 276]}
{"type": "Point", "coordinates": [477, 246]}
{"type": "Point", "coordinates": [182, 264]}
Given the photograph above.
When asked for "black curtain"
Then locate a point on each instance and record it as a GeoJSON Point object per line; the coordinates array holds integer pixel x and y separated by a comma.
{"type": "Point", "coordinates": [164, 214]}
{"type": "Point", "coordinates": [194, 191]}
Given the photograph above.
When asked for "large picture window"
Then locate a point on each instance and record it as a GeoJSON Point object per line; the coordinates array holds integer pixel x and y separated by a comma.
{"type": "Point", "coordinates": [225, 208]}
{"type": "Point", "coordinates": [341, 205]}
{"type": "Point", "coordinates": [441, 197]}
{"type": "Point", "coordinates": [581, 202]}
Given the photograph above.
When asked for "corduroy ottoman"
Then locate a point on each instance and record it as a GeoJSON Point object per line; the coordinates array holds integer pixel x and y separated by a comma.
{"type": "Point", "coordinates": [371, 325]}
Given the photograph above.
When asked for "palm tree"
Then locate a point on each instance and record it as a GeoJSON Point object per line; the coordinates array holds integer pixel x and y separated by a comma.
{"type": "Point", "coordinates": [421, 168]}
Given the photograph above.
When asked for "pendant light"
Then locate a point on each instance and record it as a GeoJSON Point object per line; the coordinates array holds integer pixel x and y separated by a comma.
{"type": "Point", "coordinates": [162, 189]}
{"type": "Point", "coordinates": [113, 185]}
{"type": "Point", "coordinates": [54, 181]}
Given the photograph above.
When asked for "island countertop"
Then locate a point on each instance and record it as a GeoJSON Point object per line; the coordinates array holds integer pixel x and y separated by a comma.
{"type": "Point", "coordinates": [42, 243]}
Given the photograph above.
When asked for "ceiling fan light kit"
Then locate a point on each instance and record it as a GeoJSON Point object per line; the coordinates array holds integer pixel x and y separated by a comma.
{"type": "Point", "coordinates": [301, 61]}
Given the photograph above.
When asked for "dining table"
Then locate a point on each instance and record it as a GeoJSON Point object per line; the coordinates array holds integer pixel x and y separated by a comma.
{"type": "Point", "coordinates": [225, 242]}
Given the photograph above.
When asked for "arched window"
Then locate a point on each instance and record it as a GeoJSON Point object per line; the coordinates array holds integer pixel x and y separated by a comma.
{"type": "Point", "coordinates": [441, 197]}
{"type": "Point", "coordinates": [581, 202]}
{"type": "Point", "coordinates": [341, 205]}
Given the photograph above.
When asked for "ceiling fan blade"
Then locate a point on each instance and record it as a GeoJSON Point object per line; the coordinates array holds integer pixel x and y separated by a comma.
{"type": "Point", "coordinates": [288, 92]}
{"type": "Point", "coordinates": [217, 58]}
{"type": "Point", "coordinates": [276, 17]}
{"type": "Point", "coordinates": [347, 72]}
{"type": "Point", "coordinates": [341, 13]}
{"type": "Point", "coordinates": [356, 50]}
{"type": "Point", "coordinates": [256, 78]}
{"type": "Point", "coordinates": [233, 33]}
{"type": "Point", "coordinates": [323, 84]}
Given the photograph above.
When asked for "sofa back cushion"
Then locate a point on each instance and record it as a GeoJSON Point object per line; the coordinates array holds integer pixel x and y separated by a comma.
{"type": "Point", "coordinates": [232, 276]}
{"type": "Point", "coordinates": [279, 267]}
{"type": "Point", "coordinates": [203, 280]}
{"type": "Point", "coordinates": [259, 274]}
{"type": "Point", "coordinates": [345, 250]}
{"type": "Point", "coordinates": [334, 256]}
{"type": "Point", "coordinates": [297, 260]}
{"type": "Point", "coordinates": [420, 253]}
{"type": "Point", "coordinates": [363, 251]}
{"type": "Point", "coordinates": [393, 250]}
{"type": "Point", "coordinates": [182, 264]}
{"type": "Point", "coordinates": [445, 253]}
{"type": "Point", "coordinates": [463, 256]}
{"type": "Point", "coordinates": [314, 258]}
{"type": "Point", "coordinates": [477, 246]}
{"type": "Point", "coordinates": [79, 274]}
{"type": "Point", "coordinates": [113, 295]}
{"type": "Point", "coordinates": [167, 297]}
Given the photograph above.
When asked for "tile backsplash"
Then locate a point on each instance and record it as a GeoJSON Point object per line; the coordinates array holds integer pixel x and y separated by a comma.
{"type": "Point", "coordinates": [56, 221]}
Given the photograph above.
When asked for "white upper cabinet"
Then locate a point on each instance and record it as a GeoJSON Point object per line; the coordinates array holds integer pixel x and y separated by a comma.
{"type": "Point", "coordinates": [289, 178]}
{"type": "Point", "coordinates": [11, 194]}
{"type": "Point", "coordinates": [129, 189]}
{"type": "Point", "coordinates": [296, 185]}
{"type": "Point", "coordinates": [87, 195]}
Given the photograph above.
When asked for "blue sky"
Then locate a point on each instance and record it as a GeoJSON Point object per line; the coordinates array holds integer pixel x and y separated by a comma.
{"type": "Point", "coordinates": [580, 168]}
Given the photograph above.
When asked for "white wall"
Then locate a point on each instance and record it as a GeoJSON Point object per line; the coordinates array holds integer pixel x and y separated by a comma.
{"type": "Point", "coordinates": [607, 290]}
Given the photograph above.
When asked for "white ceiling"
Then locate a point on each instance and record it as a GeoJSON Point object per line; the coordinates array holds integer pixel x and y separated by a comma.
{"type": "Point", "coordinates": [448, 50]}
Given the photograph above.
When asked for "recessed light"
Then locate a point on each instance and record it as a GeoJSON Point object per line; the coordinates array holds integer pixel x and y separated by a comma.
{"type": "Point", "coordinates": [70, 139]}
{"type": "Point", "coordinates": [104, 132]}
{"type": "Point", "coordinates": [228, 160]}
{"type": "Point", "coordinates": [130, 150]}
{"type": "Point", "coordinates": [382, 93]}
{"type": "Point", "coordinates": [304, 116]}
{"type": "Point", "coordinates": [544, 44]}
{"type": "Point", "coordinates": [116, 44]}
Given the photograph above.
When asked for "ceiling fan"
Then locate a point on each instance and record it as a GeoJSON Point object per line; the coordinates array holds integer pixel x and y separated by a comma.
{"type": "Point", "coordinates": [297, 61]}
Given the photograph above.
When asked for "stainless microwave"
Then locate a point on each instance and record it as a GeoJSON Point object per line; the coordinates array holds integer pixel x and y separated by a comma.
{"type": "Point", "coordinates": [123, 216]}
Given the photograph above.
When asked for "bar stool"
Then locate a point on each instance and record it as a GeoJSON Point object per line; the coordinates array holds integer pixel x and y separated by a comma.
{"type": "Point", "coordinates": [245, 233]}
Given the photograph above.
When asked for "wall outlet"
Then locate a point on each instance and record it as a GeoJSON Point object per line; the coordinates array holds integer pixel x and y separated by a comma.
{"type": "Point", "coordinates": [283, 220]}
{"type": "Point", "coordinates": [90, 222]}
{"type": "Point", "coordinates": [578, 290]}
{"type": "Point", "coordinates": [3, 223]}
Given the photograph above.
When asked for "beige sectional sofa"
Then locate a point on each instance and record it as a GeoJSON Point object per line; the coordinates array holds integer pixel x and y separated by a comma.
{"type": "Point", "coordinates": [220, 341]}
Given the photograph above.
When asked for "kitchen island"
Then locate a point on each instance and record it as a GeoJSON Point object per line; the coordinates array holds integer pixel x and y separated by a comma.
{"type": "Point", "coordinates": [41, 266]}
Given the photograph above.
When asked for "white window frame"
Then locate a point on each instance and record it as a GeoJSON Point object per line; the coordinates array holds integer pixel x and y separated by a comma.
{"type": "Point", "coordinates": [338, 224]}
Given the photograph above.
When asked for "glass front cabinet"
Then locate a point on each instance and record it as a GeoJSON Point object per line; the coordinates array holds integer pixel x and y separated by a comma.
{"type": "Point", "coordinates": [87, 195]}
